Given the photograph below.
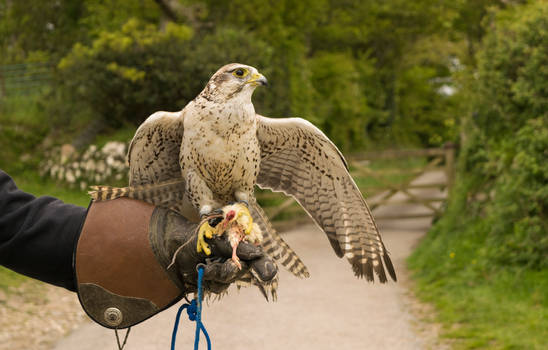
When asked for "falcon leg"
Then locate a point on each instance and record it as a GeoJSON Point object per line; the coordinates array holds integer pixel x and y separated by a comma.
{"type": "Point", "coordinates": [199, 194]}
{"type": "Point", "coordinates": [242, 196]}
{"type": "Point", "coordinates": [201, 198]}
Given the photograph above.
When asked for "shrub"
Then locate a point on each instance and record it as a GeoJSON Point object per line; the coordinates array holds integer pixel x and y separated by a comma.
{"type": "Point", "coordinates": [126, 75]}
{"type": "Point", "coordinates": [507, 148]}
{"type": "Point", "coordinates": [503, 169]}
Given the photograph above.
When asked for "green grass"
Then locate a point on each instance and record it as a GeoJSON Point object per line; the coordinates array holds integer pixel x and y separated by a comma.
{"type": "Point", "coordinates": [38, 186]}
{"type": "Point", "coordinates": [481, 305]}
{"type": "Point", "coordinates": [397, 172]}
{"type": "Point", "coordinates": [10, 279]}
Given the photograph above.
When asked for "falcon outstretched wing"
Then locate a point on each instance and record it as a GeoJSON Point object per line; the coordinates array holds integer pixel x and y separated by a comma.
{"type": "Point", "coordinates": [299, 160]}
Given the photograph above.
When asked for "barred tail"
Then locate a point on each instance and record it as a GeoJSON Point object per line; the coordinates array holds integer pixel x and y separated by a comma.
{"type": "Point", "coordinates": [268, 289]}
{"type": "Point", "coordinates": [105, 193]}
{"type": "Point", "coordinates": [275, 246]}
{"type": "Point", "coordinates": [157, 194]}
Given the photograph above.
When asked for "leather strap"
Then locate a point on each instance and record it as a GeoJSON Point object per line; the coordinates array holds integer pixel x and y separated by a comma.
{"type": "Point", "coordinates": [120, 282]}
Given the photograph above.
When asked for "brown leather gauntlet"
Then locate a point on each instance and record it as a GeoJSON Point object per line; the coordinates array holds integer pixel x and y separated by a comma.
{"type": "Point", "coordinates": [119, 280]}
{"type": "Point", "coordinates": [122, 260]}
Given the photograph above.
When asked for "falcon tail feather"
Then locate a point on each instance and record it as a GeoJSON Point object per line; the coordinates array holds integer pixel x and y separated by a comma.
{"type": "Point", "coordinates": [151, 193]}
{"type": "Point", "coordinates": [267, 289]}
{"type": "Point", "coordinates": [105, 193]}
{"type": "Point", "coordinates": [274, 245]}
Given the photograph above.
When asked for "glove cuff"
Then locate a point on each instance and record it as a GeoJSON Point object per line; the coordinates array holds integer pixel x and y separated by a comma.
{"type": "Point", "coordinates": [119, 279]}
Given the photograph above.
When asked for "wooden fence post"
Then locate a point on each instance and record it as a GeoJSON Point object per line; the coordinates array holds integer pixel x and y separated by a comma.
{"type": "Point", "coordinates": [450, 162]}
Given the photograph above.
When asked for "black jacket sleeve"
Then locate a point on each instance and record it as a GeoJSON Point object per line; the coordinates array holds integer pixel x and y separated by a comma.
{"type": "Point", "coordinates": [38, 235]}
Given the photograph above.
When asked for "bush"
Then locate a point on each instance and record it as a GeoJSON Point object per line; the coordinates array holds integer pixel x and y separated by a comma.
{"type": "Point", "coordinates": [517, 215]}
{"type": "Point", "coordinates": [484, 264]}
{"type": "Point", "coordinates": [125, 76]}
{"type": "Point", "coordinates": [502, 174]}
{"type": "Point", "coordinates": [340, 108]}
{"type": "Point", "coordinates": [505, 154]}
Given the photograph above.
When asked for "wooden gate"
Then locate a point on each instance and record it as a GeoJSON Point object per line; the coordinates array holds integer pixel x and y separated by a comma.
{"type": "Point", "coordinates": [362, 166]}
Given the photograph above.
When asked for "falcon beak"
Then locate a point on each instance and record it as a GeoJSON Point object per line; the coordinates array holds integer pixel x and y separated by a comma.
{"type": "Point", "coordinates": [257, 79]}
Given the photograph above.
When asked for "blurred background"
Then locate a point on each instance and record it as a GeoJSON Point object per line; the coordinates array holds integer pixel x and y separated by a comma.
{"type": "Point", "coordinates": [78, 76]}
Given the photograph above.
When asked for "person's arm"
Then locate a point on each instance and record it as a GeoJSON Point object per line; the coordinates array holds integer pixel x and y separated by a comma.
{"type": "Point", "coordinates": [38, 235]}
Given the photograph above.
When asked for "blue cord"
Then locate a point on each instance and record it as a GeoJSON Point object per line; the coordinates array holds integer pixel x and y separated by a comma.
{"type": "Point", "coordinates": [194, 311]}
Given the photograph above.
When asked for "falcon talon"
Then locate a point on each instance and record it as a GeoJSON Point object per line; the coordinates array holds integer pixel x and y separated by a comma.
{"type": "Point", "coordinates": [204, 231]}
{"type": "Point", "coordinates": [213, 222]}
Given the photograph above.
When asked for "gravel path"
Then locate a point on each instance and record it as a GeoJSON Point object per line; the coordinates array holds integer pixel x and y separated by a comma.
{"type": "Point", "coordinates": [35, 315]}
{"type": "Point", "coordinates": [330, 310]}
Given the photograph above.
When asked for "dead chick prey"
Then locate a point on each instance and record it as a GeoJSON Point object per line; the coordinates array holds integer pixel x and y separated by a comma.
{"type": "Point", "coordinates": [236, 222]}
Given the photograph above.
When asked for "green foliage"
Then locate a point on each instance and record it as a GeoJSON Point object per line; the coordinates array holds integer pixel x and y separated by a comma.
{"type": "Point", "coordinates": [9, 279]}
{"type": "Point", "coordinates": [23, 126]}
{"type": "Point", "coordinates": [126, 75]}
{"type": "Point", "coordinates": [42, 27]}
{"type": "Point", "coordinates": [518, 213]}
{"type": "Point", "coordinates": [386, 59]}
{"type": "Point", "coordinates": [49, 29]}
{"type": "Point", "coordinates": [111, 15]}
{"type": "Point", "coordinates": [360, 62]}
{"type": "Point", "coordinates": [341, 108]}
{"type": "Point", "coordinates": [347, 66]}
{"type": "Point", "coordinates": [483, 305]}
{"type": "Point", "coordinates": [505, 154]}
{"type": "Point", "coordinates": [485, 263]}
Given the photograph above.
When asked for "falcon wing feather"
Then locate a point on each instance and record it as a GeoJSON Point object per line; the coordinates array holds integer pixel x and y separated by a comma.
{"type": "Point", "coordinates": [299, 160]}
{"type": "Point", "coordinates": [153, 154]}
{"type": "Point", "coordinates": [153, 158]}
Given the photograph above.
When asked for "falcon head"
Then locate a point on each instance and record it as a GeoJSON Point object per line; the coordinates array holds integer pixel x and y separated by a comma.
{"type": "Point", "coordinates": [232, 80]}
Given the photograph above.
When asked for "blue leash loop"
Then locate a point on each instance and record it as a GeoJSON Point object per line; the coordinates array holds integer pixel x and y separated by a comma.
{"type": "Point", "coordinates": [194, 311]}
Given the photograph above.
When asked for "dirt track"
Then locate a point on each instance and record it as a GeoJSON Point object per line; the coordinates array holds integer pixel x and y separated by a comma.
{"type": "Point", "coordinates": [330, 310]}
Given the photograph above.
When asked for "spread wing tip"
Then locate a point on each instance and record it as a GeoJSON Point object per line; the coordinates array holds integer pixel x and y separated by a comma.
{"type": "Point", "coordinates": [390, 267]}
{"type": "Point", "coordinates": [368, 269]}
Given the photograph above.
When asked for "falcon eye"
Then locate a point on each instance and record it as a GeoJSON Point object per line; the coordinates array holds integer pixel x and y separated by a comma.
{"type": "Point", "coordinates": [240, 72]}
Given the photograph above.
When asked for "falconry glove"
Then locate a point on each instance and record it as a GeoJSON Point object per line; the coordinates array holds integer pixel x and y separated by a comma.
{"type": "Point", "coordinates": [174, 241]}
{"type": "Point", "coordinates": [123, 262]}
